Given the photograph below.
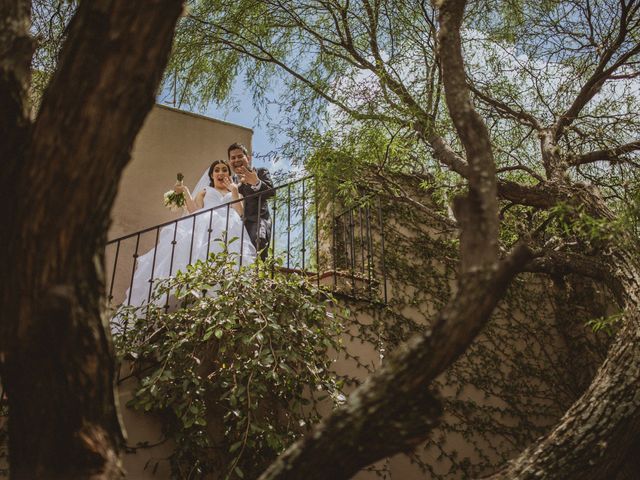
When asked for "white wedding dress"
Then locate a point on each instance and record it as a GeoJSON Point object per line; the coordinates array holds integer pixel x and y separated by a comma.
{"type": "Point", "coordinates": [193, 242]}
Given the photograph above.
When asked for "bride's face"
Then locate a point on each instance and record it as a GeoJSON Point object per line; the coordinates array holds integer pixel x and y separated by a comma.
{"type": "Point", "coordinates": [220, 172]}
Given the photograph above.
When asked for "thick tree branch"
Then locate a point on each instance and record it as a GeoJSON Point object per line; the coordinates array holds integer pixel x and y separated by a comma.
{"type": "Point", "coordinates": [506, 110]}
{"type": "Point", "coordinates": [57, 361]}
{"type": "Point", "coordinates": [611, 154]}
{"type": "Point", "coordinates": [443, 152]}
{"type": "Point", "coordinates": [394, 410]}
{"type": "Point", "coordinates": [559, 264]}
{"type": "Point", "coordinates": [478, 211]}
{"type": "Point", "coordinates": [539, 196]}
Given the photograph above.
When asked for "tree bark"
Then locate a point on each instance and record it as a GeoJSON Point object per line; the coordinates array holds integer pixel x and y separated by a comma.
{"type": "Point", "coordinates": [56, 358]}
{"type": "Point", "coordinates": [16, 50]}
{"type": "Point", "coordinates": [593, 439]}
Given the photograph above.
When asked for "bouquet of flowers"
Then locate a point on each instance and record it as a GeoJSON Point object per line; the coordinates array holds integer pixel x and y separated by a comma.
{"type": "Point", "coordinates": [175, 201]}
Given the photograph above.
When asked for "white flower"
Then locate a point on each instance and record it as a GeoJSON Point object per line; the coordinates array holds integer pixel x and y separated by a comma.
{"type": "Point", "coordinates": [173, 201]}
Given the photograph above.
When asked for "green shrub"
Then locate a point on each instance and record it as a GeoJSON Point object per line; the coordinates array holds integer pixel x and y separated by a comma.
{"type": "Point", "coordinates": [238, 372]}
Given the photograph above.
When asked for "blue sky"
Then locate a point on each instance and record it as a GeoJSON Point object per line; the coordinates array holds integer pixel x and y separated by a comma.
{"type": "Point", "coordinates": [246, 116]}
{"type": "Point", "coordinates": [242, 112]}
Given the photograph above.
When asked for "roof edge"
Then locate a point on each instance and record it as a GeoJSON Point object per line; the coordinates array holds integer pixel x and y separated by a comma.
{"type": "Point", "coordinates": [203, 117]}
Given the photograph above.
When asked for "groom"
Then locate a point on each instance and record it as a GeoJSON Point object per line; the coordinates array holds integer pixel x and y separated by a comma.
{"type": "Point", "coordinates": [257, 185]}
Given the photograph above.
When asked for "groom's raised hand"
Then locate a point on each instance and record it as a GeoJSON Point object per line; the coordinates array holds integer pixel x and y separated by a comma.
{"type": "Point", "coordinates": [248, 175]}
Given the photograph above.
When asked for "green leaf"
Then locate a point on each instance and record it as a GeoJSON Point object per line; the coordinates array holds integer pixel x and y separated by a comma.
{"type": "Point", "coordinates": [266, 329]}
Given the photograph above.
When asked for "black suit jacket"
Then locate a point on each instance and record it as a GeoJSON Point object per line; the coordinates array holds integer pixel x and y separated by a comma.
{"type": "Point", "coordinates": [257, 199]}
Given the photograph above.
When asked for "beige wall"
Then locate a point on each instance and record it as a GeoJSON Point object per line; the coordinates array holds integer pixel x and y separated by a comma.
{"type": "Point", "coordinates": [170, 141]}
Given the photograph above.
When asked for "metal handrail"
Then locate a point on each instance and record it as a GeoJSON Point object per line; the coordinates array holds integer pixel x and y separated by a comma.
{"type": "Point", "coordinates": [202, 212]}
{"type": "Point", "coordinates": [353, 261]}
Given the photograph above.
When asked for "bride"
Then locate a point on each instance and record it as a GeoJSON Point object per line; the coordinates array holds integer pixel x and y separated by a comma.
{"type": "Point", "coordinates": [210, 230]}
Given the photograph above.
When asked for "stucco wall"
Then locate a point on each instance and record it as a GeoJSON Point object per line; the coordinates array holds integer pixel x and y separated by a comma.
{"type": "Point", "coordinates": [170, 141]}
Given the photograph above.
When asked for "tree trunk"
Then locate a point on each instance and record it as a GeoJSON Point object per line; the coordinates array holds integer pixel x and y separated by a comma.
{"type": "Point", "coordinates": [57, 361]}
{"type": "Point", "coordinates": [594, 437]}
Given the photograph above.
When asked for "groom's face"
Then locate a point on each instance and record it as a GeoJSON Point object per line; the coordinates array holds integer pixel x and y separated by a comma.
{"type": "Point", "coordinates": [239, 160]}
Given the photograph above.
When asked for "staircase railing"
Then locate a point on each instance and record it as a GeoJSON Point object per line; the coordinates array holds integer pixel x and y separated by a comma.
{"type": "Point", "coordinates": [343, 252]}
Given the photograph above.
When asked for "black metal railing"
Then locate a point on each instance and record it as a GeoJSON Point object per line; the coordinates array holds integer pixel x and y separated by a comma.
{"type": "Point", "coordinates": [344, 252]}
{"type": "Point", "coordinates": [358, 251]}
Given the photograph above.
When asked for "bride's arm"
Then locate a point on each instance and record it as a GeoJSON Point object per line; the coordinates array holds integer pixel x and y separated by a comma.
{"type": "Point", "coordinates": [191, 203]}
{"type": "Point", "coordinates": [238, 206]}
{"type": "Point", "coordinates": [198, 202]}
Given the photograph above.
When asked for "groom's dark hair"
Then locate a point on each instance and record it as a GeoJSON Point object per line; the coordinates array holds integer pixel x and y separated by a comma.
{"type": "Point", "coordinates": [236, 146]}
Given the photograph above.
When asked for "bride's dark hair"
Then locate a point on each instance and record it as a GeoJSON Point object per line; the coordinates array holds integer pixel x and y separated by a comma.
{"type": "Point", "coordinates": [213, 165]}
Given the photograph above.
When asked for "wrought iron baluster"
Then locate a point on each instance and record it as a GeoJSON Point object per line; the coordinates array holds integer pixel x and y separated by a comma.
{"type": "Point", "coordinates": [193, 234]}
{"type": "Point", "coordinates": [316, 215]}
{"type": "Point", "coordinates": [153, 264]}
{"type": "Point", "coordinates": [343, 254]}
{"type": "Point", "coordinates": [369, 251]}
{"type": "Point", "coordinates": [382, 260]}
{"type": "Point", "coordinates": [353, 253]}
{"type": "Point", "coordinates": [173, 249]}
{"type": "Point", "coordinates": [242, 228]}
{"type": "Point", "coordinates": [334, 230]}
{"type": "Point", "coordinates": [226, 232]}
{"type": "Point", "coordinates": [209, 230]}
{"type": "Point", "coordinates": [258, 228]}
{"type": "Point", "coordinates": [361, 237]}
{"type": "Point", "coordinates": [113, 273]}
{"type": "Point", "coordinates": [133, 269]}
{"type": "Point", "coordinates": [273, 235]}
